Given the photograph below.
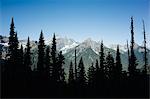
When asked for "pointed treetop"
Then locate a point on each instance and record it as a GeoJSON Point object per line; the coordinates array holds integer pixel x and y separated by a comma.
{"type": "Point", "coordinates": [12, 20]}
{"type": "Point", "coordinates": [117, 46]}
{"type": "Point", "coordinates": [28, 38]}
{"type": "Point", "coordinates": [54, 35]}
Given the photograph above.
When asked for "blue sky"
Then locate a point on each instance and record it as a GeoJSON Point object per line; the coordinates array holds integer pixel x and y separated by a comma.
{"type": "Point", "coordinates": [78, 19]}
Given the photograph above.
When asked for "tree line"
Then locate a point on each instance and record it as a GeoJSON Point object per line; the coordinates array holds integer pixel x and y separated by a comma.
{"type": "Point", "coordinates": [105, 78]}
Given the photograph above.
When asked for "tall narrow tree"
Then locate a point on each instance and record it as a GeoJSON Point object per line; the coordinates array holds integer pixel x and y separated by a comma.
{"type": "Point", "coordinates": [109, 66]}
{"type": "Point", "coordinates": [41, 53]}
{"type": "Point", "coordinates": [71, 75]}
{"type": "Point", "coordinates": [54, 60]}
{"type": "Point", "coordinates": [81, 74]}
{"type": "Point", "coordinates": [132, 67]}
{"type": "Point", "coordinates": [91, 76]}
{"type": "Point", "coordinates": [102, 61]}
{"type": "Point", "coordinates": [118, 65]}
{"type": "Point", "coordinates": [27, 59]}
{"type": "Point", "coordinates": [61, 72]}
{"type": "Point", "coordinates": [145, 52]}
{"type": "Point", "coordinates": [47, 62]}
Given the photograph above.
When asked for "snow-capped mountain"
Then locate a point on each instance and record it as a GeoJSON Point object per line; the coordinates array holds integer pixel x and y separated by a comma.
{"type": "Point", "coordinates": [88, 50]}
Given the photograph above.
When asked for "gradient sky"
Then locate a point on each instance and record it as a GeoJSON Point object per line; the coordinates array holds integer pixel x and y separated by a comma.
{"type": "Point", "coordinates": [78, 19]}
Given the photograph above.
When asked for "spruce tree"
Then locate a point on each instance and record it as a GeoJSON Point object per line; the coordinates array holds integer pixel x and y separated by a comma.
{"type": "Point", "coordinates": [13, 51]}
{"type": "Point", "coordinates": [71, 75]}
{"type": "Point", "coordinates": [109, 65]}
{"type": "Point", "coordinates": [118, 65]}
{"type": "Point", "coordinates": [47, 62]}
{"type": "Point", "coordinates": [60, 63]}
{"type": "Point", "coordinates": [145, 51]}
{"type": "Point", "coordinates": [81, 74]}
{"type": "Point", "coordinates": [27, 59]}
{"type": "Point", "coordinates": [54, 60]}
{"type": "Point", "coordinates": [41, 53]}
{"type": "Point", "coordinates": [91, 76]}
{"type": "Point", "coordinates": [102, 61]}
{"type": "Point", "coordinates": [133, 60]}
{"type": "Point", "coordinates": [11, 39]}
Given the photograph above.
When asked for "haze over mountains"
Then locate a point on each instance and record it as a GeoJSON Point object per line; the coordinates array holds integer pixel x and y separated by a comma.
{"type": "Point", "coordinates": [88, 49]}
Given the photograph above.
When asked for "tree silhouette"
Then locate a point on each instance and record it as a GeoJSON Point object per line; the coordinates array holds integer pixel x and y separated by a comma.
{"type": "Point", "coordinates": [109, 66]}
{"type": "Point", "coordinates": [71, 79]}
{"type": "Point", "coordinates": [132, 67]}
{"type": "Point", "coordinates": [81, 79]}
{"type": "Point", "coordinates": [27, 59]}
{"type": "Point", "coordinates": [54, 61]}
{"type": "Point", "coordinates": [47, 63]}
{"type": "Point", "coordinates": [145, 51]}
{"type": "Point", "coordinates": [118, 65]}
{"type": "Point", "coordinates": [91, 76]}
{"type": "Point", "coordinates": [41, 53]}
{"type": "Point", "coordinates": [61, 73]}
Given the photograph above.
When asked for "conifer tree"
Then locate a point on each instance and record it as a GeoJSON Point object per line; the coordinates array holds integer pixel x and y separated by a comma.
{"type": "Point", "coordinates": [27, 60]}
{"type": "Point", "coordinates": [47, 62]}
{"type": "Point", "coordinates": [118, 65]}
{"type": "Point", "coordinates": [61, 73]}
{"type": "Point", "coordinates": [102, 61]}
{"type": "Point", "coordinates": [109, 65]}
{"type": "Point", "coordinates": [41, 53]}
{"type": "Point", "coordinates": [81, 74]}
{"type": "Point", "coordinates": [133, 60]}
{"type": "Point", "coordinates": [13, 51]}
{"type": "Point", "coordinates": [145, 52]}
{"type": "Point", "coordinates": [91, 76]}
{"type": "Point", "coordinates": [71, 75]}
{"type": "Point", "coordinates": [53, 68]}
{"type": "Point", "coordinates": [12, 36]}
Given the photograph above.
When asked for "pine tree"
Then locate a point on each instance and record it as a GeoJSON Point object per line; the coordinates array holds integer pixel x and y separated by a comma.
{"type": "Point", "coordinates": [27, 60]}
{"type": "Point", "coordinates": [41, 53]}
{"type": "Point", "coordinates": [81, 74]}
{"type": "Point", "coordinates": [118, 65]}
{"type": "Point", "coordinates": [133, 63]}
{"type": "Point", "coordinates": [109, 65]}
{"type": "Point", "coordinates": [71, 75]}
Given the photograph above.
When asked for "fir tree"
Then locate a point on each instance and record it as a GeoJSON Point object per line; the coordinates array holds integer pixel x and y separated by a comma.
{"type": "Point", "coordinates": [81, 74]}
{"type": "Point", "coordinates": [102, 61]}
{"type": "Point", "coordinates": [27, 60]}
{"type": "Point", "coordinates": [91, 76]}
{"type": "Point", "coordinates": [133, 63]}
{"type": "Point", "coordinates": [61, 73]}
{"type": "Point", "coordinates": [47, 62]}
{"type": "Point", "coordinates": [118, 65]}
{"type": "Point", "coordinates": [71, 75]}
{"type": "Point", "coordinates": [109, 65]}
{"type": "Point", "coordinates": [41, 53]}
{"type": "Point", "coordinates": [145, 52]}
{"type": "Point", "coordinates": [53, 68]}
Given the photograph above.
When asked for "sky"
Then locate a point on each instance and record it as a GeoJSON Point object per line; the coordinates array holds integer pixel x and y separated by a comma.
{"type": "Point", "coordinates": [107, 20]}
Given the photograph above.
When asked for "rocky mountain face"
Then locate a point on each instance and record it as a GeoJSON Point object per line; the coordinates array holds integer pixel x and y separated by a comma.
{"type": "Point", "coordinates": [88, 50]}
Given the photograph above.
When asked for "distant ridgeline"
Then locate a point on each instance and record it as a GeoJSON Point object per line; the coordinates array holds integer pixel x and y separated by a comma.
{"type": "Point", "coordinates": [62, 67]}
